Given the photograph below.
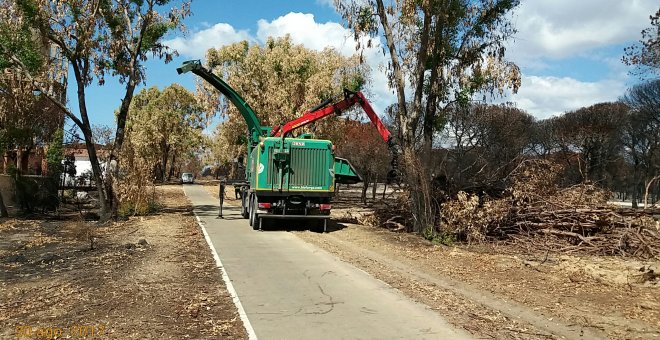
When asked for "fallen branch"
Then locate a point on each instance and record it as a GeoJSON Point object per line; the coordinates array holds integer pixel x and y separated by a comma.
{"type": "Point", "coordinates": [390, 221]}
{"type": "Point", "coordinates": [570, 234]}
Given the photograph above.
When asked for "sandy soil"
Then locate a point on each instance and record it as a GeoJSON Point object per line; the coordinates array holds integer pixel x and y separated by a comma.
{"type": "Point", "coordinates": [148, 277]}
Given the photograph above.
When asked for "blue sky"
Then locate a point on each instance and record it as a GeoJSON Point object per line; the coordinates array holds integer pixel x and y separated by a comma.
{"type": "Point", "coordinates": [569, 51]}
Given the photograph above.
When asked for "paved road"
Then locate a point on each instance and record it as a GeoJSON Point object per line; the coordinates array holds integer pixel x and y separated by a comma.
{"type": "Point", "coordinates": [293, 290]}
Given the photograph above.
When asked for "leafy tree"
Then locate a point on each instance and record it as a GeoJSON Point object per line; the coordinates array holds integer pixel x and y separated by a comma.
{"type": "Point", "coordinates": [97, 37]}
{"type": "Point", "coordinates": [17, 36]}
{"type": "Point", "coordinates": [446, 51]}
{"type": "Point", "coordinates": [26, 119]}
{"type": "Point", "coordinates": [645, 55]}
{"type": "Point", "coordinates": [164, 125]}
{"type": "Point", "coordinates": [280, 80]}
{"type": "Point", "coordinates": [55, 155]}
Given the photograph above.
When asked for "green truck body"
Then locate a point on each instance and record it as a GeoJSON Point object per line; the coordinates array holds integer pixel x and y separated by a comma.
{"type": "Point", "coordinates": [287, 165]}
{"type": "Point", "coordinates": [284, 177]}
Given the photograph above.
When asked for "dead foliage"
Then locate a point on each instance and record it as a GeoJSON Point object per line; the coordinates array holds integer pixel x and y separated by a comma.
{"type": "Point", "coordinates": [574, 219]}
{"type": "Point", "coordinates": [536, 212]}
{"type": "Point", "coordinates": [395, 215]}
{"type": "Point", "coordinates": [135, 191]}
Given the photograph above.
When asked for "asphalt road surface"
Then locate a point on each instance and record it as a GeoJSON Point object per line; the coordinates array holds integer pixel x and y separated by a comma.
{"type": "Point", "coordinates": [290, 289]}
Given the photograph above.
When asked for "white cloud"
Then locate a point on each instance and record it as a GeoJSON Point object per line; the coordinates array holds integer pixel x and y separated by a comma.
{"type": "Point", "coordinates": [544, 97]}
{"type": "Point", "coordinates": [564, 28]}
{"type": "Point", "coordinates": [541, 96]}
{"type": "Point", "coordinates": [303, 29]}
{"type": "Point", "coordinates": [214, 36]}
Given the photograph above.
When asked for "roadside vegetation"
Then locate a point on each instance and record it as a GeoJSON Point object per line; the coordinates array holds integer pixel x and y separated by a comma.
{"type": "Point", "coordinates": [573, 196]}
{"type": "Point", "coordinates": [143, 278]}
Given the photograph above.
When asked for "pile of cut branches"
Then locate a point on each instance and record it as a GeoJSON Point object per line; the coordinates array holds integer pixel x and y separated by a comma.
{"type": "Point", "coordinates": [396, 215]}
{"type": "Point", "coordinates": [535, 209]}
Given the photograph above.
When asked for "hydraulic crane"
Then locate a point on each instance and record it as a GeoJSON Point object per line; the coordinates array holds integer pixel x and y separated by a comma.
{"type": "Point", "coordinates": [328, 108]}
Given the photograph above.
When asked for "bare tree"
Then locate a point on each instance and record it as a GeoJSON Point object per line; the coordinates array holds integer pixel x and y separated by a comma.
{"type": "Point", "coordinates": [645, 55]}
{"type": "Point", "coordinates": [594, 133]}
{"type": "Point", "coordinates": [362, 145]}
{"type": "Point", "coordinates": [642, 134]}
{"type": "Point", "coordinates": [486, 142]}
{"type": "Point", "coordinates": [446, 51]}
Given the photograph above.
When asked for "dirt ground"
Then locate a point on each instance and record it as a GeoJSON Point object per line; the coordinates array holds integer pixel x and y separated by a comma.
{"type": "Point", "coordinates": [149, 277]}
{"type": "Point", "coordinates": [503, 290]}
{"type": "Point", "coordinates": [499, 291]}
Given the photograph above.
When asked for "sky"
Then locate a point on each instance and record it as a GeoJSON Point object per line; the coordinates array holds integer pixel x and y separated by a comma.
{"type": "Point", "coordinates": [569, 51]}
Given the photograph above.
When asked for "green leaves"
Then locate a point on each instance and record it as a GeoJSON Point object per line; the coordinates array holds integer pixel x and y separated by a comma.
{"type": "Point", "coordinates": [353, 82]}
{"type": "Point", "coordinates": [153, 34]}
{"type": "Point", "coordinates": [17, 39]}
{"type": "Point", "coordinates": [163, 122]}
{"type": "Point", "coordinates": [55, 154]}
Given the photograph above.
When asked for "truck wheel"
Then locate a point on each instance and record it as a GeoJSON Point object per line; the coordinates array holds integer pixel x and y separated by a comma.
{"type": "Point", "coordinates": [251, 211]}
{"type": "Point", "coordinates": [254, 217]}
{"type": "Point", "coordinates": [244, 207]}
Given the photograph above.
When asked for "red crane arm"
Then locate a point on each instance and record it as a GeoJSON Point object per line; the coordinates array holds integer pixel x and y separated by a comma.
{"type": "Point", "coordinates": [382, 130]}
{"type": "Point", "coordinates": [350, 99]}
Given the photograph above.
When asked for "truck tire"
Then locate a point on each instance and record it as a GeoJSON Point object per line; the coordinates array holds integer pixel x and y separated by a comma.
{"type": "Point", "coordinates": [245, 213]}
{"type": "Point", "coordinates": [257, 223]}
{"type": "Point", "coordinates": [254, 217]}
{"type": "Point", "coordinates": [250, 211]}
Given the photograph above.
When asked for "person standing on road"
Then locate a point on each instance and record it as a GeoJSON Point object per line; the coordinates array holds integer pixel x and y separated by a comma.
{"type": "Point", "coordinates": [221, 194]}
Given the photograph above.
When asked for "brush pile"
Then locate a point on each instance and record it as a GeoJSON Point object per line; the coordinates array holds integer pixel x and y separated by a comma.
{"type": "Point", "coordinates": [537, 213]}
{"type": "Point", "coordinates": [535, 209]}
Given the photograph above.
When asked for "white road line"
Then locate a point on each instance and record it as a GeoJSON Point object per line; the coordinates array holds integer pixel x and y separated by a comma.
{"type": "Point", "coordinates": [232, 292]}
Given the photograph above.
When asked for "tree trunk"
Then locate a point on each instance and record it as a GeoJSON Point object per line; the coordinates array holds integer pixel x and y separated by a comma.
{"type": "Point", "coordinates": [406, 119]}
{"type": "Point", "coordinates": [172, 169]}
{"type": "Point", "coordinates": [430, 118]}
{"type": "Point", "coordinates": [105, 201]}
{"type": "Point", "coordinates": [164, 158]}
{"type": "Point", "coordinates": [384, 189]}
{"type": "Point", "coordinates": [373, 188]}
{"type": "Point", "coordinates": [24, 160]}
{"type": "Point", "coordinates": [365, 187]}
{"type": "Point", "coordinates": [3, 208]}
{"type": "Point", "coordinates": [646, 191]}
{"type": "Point", "coordinates": [421, 197]}
{"type": "Point", "coordinates": [157, 172]}
{"type": "Point", "coordinates": [636, 180]}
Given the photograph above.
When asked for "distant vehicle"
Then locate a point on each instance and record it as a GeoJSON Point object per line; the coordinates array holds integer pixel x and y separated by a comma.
{"type": "Point", "coordinates": [187, 177]}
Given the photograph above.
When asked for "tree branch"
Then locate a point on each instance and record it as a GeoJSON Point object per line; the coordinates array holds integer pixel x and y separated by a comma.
{"type": "Point", "coordinates": [39, 87]}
